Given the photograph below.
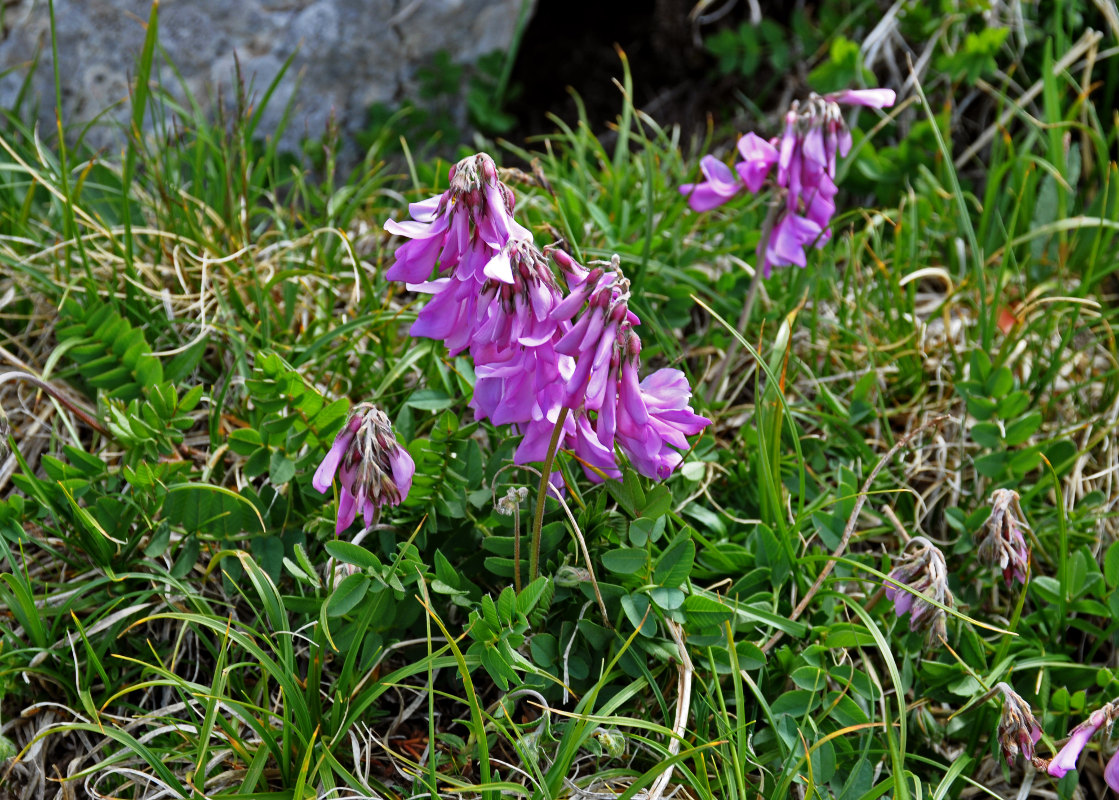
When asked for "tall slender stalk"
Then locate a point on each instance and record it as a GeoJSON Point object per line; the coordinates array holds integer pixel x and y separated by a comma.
{"type": "Point", "coordinates": [542, 495]}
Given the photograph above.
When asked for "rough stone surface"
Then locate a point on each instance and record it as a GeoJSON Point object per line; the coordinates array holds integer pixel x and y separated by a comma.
{"type": "Point", "coordinates": [349, 54]}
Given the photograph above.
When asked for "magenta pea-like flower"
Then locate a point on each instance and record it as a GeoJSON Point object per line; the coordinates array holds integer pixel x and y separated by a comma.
{"type": "Point", "coordinates": [1111, 771]}
{"type": "Point", "coordinates": [720, 184]}
{"type": "Point", "coordinates": [648, 418]}
{"type": "Point", "coordinates": [463, 229]}
{"type": "Point", "coordinates": [805, 157]}
{"type": "Point", "coordinates": [1003, 544]}
{"type": "Point", "coordinates": [1069, 754]}
{"type": "Point", "coordinates": [372, 468]}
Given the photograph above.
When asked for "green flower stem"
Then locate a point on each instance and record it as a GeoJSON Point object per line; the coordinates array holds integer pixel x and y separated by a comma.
{"type": "Point", "coordinates": [542, 495]}
{"type": "Point", "coordinates": [516, 549]}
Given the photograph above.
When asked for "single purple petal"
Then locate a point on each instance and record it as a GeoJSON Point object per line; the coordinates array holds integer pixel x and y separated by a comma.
{"type": "Point", "coordinates": [1111, 771]}
{"type": "Point", "coordinates": [569, 306]}
{"type": "Point", "coordinates": [324, 475]}
{"type": "Point", "coordinates": [683, 419]}
{"type": "Point", "coordinates": [631, 396]}
{"type": "Point", "coordinates": [716, 172]}
{"type": "Point", "coordinates": [593, 453]}
{"type": "Point", "coordinates": [403, 468]}
{"type": "Point", "coordinates": [594, 334]}
{"type": "Point", "coordinates": [789, 238]}
{"type": "Point", "coordinates": [537, 437]}
{"type": "Point", "coordinates": [758, 157]}
{"type": "Point", "coordinates": [607, 423]}
{"type": "Point", "coordinates": [415, 260]}
{"type": "Point", "coordinates": [347, 510]}
{"type": "Point", "coordinates": [813, 146]}
{"type": "Point", "coordinates": [542, 298]}
{"type": "Point", "coordinates": [704, 196]}
{"type": "Point", "coordinates": [412, 229]}
{"type": "Point", "coordinates": [496, 225]}
{"type": "Point", "coordinates": [472, 265]}
{"type": "Point", "coordinates": [789, 144]}
{"type": "Point", "coordinates": [499, 268]}
{"type": "Point", "coordinates": [456, 242]}
{"type": "Point", "coordinates": [1068, 755]}
{"type": "Point", "coordinates": [868, 98]}
{"type": "Point", "coordinates": [903, 601]}
{"type": "Point", "coordinates": [425, 210]}
{"type": "Point", "coordinates": [785, 245]}
{"type": "Point", "coordinates": [571, 343]}
{"type": "Point", "coordinates": [666, 389]}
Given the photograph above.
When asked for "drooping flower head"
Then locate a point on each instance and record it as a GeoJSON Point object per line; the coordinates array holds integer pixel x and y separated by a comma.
{"type": "Point", "coordinates": [921, 567]}
{"type": "Point", "coordinates": [1003, 545]}
{"type": "Point", "coordinates": [371, 466]}
{"type": "Point", "coordinates": [494, 295]}
{"type": "Point", "coordinates": [1068, 755]}
{"type": "Point", "coordinates": [1019, 730]}
{"type": "Point", "coordinates": [460, 229]}
{"type": "Point", "coordinates": [805, 157]}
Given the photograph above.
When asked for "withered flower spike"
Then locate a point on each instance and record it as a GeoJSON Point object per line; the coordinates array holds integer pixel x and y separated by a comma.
{"type": "Point", "coordinates": [1019, 730]}
{"type": "Point", "coordinates": [1003, 545]}
{"type": "Point", "coordinates": [921, 567]}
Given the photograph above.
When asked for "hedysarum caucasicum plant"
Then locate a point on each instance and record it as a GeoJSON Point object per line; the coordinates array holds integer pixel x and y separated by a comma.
{"type": "Point", "coordinates": [553, 366]}
{"type": "Point", "coordinates": [805, 157]}
{"type": "Point", "coordinates": [372, 468]}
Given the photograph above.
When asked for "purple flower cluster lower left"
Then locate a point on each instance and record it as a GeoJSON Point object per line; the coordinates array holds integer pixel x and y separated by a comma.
{"type": "Point", "coordinates": [372, 468]}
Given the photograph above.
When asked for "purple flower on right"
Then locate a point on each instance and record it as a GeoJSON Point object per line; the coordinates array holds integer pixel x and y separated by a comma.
{"type": "Point", "coordinates": [805, 157]}
{"type": "Point", "coordinates": [1068, 756]}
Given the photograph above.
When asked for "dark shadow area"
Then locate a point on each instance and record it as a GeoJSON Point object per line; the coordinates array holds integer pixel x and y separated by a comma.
{"type": "Point", "coordinates": [573, 44]}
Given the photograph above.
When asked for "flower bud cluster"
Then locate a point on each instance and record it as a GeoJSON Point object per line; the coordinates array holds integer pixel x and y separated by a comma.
{"type": "Point", "coordinates": [1019, 730]}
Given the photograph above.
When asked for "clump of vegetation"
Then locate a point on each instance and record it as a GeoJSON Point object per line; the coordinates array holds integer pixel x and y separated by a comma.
{"type": "Point", "coordinates": [887, 567]}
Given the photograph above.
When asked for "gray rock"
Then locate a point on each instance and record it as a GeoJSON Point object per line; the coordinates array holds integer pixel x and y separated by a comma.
{"type": "Point", "coordinates": [349, 54]}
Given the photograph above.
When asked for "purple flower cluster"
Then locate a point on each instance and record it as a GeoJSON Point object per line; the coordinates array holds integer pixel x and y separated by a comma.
{"type": "Point", "coordinates": [805, 157]}
{"type": "Point", "coordinates": [1068, 755]}
{"type": "Point", "coordinates": [923, 570]}
{"type": "Point", "coordinates": [537, 351]}
{"type": "Point", "coordinates": [1003, 545]}
{"type": "Point", "coordinates": [371, 466]}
